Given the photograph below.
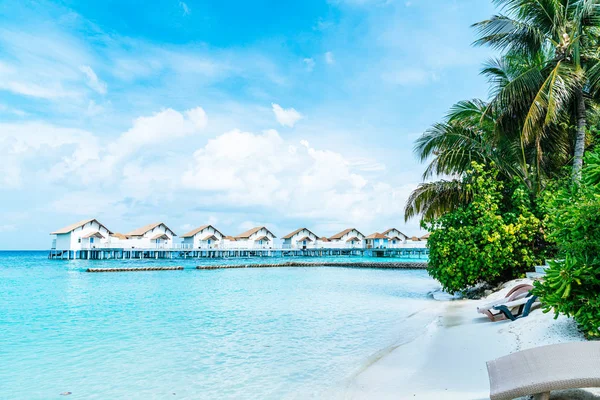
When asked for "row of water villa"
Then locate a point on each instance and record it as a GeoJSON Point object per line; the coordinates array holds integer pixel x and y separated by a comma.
{"type": "Point", "coordinates": [90, 239]}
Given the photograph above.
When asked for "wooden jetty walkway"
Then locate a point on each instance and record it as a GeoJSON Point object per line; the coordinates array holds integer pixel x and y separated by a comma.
{"type": "Point", "coordinates": [351, 264]}
{"type": "Point", "coordinates": [135, 269]}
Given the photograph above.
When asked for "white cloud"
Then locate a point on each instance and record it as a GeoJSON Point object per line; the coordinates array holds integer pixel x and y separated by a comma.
{"type": "Point", "coordinates": [35, 148]}
{"type": "Point", "coordinates": [232, 173]}
{"type": "Point", "coordinates": [83, 203]}
{"type": "Point", "coordinates": [242, 169]}
{"type": "Point", "coordinates": [191, 66]}
{"type": "Point", "coordinates": [329, 58]}
{"type": "Point", "coordinates": [35, 90]}
{"type": "Point", "coordinates": [310, 64]}
{"type": "Point", "coordinates": [10, 110]}
{"type": "Point", "coordinates": [93, 81]}
{"type": "Point", "coordinates": [367, 165]}
{"type": "Point", "coordinates": [408, 76]}
{"type": "Point", "coordinates": [287, 116]}
{"type": "Point", "coordinates": [161, 127]}
{"type": "Point", "coordinates": [94, 109]}
{"type": "Point", "coordinates": [43, 64]}
{"type": "Point", "coordinates": [55, 153]}
{"type": "Point", "coordinates": [184, 7]}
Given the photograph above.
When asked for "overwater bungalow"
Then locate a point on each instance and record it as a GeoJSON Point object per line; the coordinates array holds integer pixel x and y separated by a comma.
{"type": "Point", "coordinates": [301, 238]}
{"type": "Point", "coordinates": [350, 237]}
{"type": "Point", "coordinates": [377, 241]}
{"type": "Point", "coordinates": [259, 237]}
{"type": "Point", "coordinates": [203, 237]}
{"type": "Point", "coordinates": [155, 235]}
{"type": "Point", "coordinates": [396, 238]}
{"type": "Point", "coordinates": [85, 234]}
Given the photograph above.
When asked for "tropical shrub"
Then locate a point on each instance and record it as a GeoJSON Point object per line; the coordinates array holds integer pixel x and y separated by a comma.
{"type": "Point", "coordinates": [572, 284]}
{"type": "Point", "coordinates": [489, 240]}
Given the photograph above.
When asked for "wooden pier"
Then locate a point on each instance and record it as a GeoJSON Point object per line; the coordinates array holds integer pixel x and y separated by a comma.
{"type": "Point", "coordinates": [131, 254]}
{"type": "Point", "coordinates": [351, 264]}
{"type": "Point", "coordinates": [134, 269]}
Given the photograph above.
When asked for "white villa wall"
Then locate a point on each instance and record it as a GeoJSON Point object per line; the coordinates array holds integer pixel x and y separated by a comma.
{"type": "Point", "coordinates": [396, 244]}
{"type": "Point", "coordinates": [399, 243]}
{"type": "Point", "coordinates": [228, 244]}
{"type": "Point", "coordinates": [250, 243]}
{"type": "Point", "coordinates": [414, 245]}
{"type": "Point", "coordinates": [342, 242]}
{"type": "Point", "coordinates": [196, 241]}
{"type": "Point", "coordinates": [74, 239]}
{"type": "Point", "coordinates": [378, 243]}
{"type": "Point", "coordinates": [63, 241]}
{"type": "Point", "coordinates": [146, 241]}
{"type": "Point", "coordinates": [292, 243]}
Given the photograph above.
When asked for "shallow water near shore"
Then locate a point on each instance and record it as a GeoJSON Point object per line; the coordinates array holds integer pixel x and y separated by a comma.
{"type": "Point", "coordinates": [240, 333]}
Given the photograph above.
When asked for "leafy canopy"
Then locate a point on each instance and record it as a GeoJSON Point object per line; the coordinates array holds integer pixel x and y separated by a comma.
{"type": "Point", "coordinates": [489, 240]}
{"type": "Point", "coordinates": [572, 284]}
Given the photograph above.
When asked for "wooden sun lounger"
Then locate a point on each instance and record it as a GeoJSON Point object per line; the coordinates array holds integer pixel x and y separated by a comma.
{"type": "Point", "coordinates": [540, 370]}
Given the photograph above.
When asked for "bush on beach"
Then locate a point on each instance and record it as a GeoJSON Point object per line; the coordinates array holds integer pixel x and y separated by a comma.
{"type": "Point", "coordinates": [489, 240]}
{"type": "Point", "coordinates": [572, 284]}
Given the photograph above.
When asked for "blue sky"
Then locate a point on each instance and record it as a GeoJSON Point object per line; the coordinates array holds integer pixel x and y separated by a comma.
{"type": "Point", "coordinates": [233, 113]}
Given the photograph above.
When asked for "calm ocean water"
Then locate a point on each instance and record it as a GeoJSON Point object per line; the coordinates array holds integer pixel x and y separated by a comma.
{"type": "Point", "coordinates": [275, 333]}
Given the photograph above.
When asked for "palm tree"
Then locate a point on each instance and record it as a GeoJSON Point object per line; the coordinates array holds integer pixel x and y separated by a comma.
{"type": "Point", "coordinates": [542, 92]}
{"type": "Point", "coordinates": [490, 132]}
{"type": "Point", "coordinates": [515, 81]}
{"type": "Point", "coordinates": [567, 29]}
{"type": "Point", "coordinates": [467, 135]}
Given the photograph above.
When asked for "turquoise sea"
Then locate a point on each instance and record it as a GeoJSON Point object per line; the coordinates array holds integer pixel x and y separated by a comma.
{"type": "Point", "coordinates": [276, 333]}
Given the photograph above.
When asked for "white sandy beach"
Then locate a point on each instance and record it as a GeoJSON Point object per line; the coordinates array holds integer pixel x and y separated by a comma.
{"type": "Point", "coordinates": [448, 361]}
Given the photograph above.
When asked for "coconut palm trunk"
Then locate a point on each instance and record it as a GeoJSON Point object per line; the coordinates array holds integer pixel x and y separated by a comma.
{"type": "Point", "coordinates": [580, 136]}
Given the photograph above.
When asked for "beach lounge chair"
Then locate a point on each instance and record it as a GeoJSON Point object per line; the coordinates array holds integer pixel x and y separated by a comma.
{"type": "Point", "coordinates": [522, 306]}
{"type": "Point", "coordinates": [540, 370]}
{"type": "Point", "coordinates": [517, 304]}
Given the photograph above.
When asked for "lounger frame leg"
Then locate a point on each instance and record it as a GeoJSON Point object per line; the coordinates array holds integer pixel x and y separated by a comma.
{"type": "Point", "coordinates": [523, 310]}
{"type": "Point", "coordinates": [542, 396]}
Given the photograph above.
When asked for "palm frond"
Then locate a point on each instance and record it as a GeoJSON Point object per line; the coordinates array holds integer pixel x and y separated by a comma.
{"type": "Point", "coordinates": [504, 33]}
{"type": "Point", "coordinates": [544, 14]}
{"type": "Point", "coordinates": [550, 101]}
{"type": "Point", "coordinates": [433, 199]}
{"type": "Point", "coordinates": [454, 146]}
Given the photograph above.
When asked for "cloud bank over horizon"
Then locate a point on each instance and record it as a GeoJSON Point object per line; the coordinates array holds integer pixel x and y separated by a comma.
{"type": "Point", "coordinates": [307, 122]}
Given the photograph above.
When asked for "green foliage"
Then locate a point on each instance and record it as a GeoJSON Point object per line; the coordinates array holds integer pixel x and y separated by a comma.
{"type": "Point", "coordinates": [572, 285]}
{"type": "Point", "coordinates": [543, 109]}
{"type": "Point", "coordinates": [489, 240]}
{"type": "Point", "coordinates": [490, 223]}
{"type": "Point", "coordinates": [592, 170]}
